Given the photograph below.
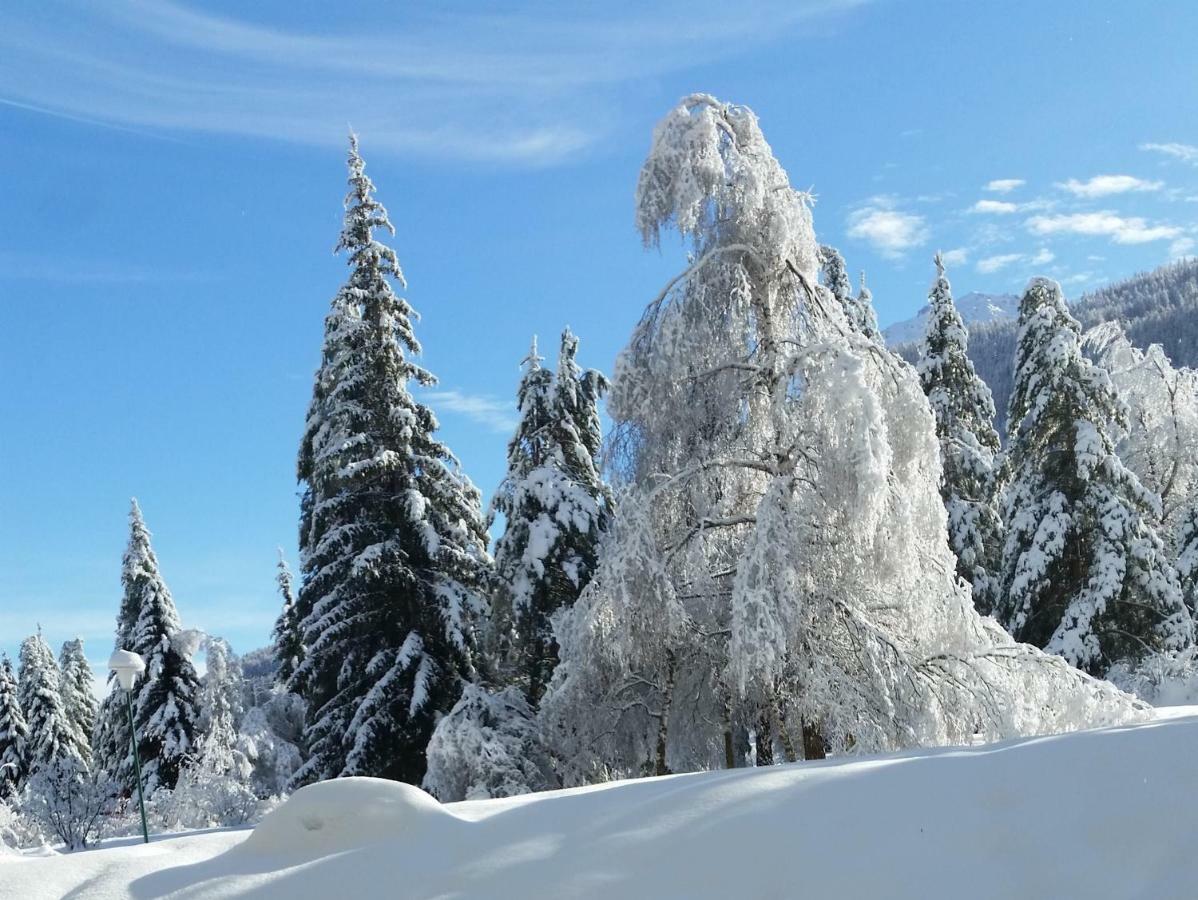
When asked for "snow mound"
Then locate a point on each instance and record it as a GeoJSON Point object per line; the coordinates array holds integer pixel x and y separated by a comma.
{"type": "Point", "coordinates": [347, 813]}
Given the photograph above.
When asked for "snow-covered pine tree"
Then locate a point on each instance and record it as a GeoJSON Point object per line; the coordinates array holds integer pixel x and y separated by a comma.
{"type": "Point", "coordinates": [779, 562]}
{"type": "Point", "coordinates": [221, 709]}
{"type": "Point", "coordinates": [78, 697]}
{"type": "Point", "coordinates": [14, 735]}
{"type": "Point", "coordinates": [1085, 575]}
{"type": "Point", "coordinates": [287, 638]}
{"type": "Point", "coordinates": [40, 698]}
{"type": "Point", "coordinates": [859, 310]}
{"type": "Point", "coordinates": [392, 540]}
{"type": "Point", "coordinates": [165, 703]}
{"type": "Point", "coordinates": [554, 506]}
{"type": "Point", "coordinates": [110, 740]}
{"type": "Point", "coordinates": [1187, 558]}
{"type": "Point", "coordinates": [964, 412]}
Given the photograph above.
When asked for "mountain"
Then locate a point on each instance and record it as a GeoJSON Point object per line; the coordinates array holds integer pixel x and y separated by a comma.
{"type": "Point", "coordinates": [1157, 307]}
{"type": "Point", "coordinates": [975, 308]}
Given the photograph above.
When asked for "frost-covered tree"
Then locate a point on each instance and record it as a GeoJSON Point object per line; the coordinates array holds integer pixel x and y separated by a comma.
{"type": "Point", "coordinates": [858, 311]}
{"type": "Point", "coordinates": [40, 698]}
{"type": "Point", "coordinates": [969, 444]}
{"type": "Point", "coordinates": [220, 713]}
{"type": "Point", "coordinates": [487, 746]}
{"type": "Point", "coordinates": [288, 638]}
{"type": "Point", "coordinates": [78, 696]}
{"type": "Point", "coordinates": [14, 735]}
{"type": "Point", "coordinates": [70, 801]}
{"type": "Point", "coordinates": [779, 562]}
{"type": "Point", "coordinates": [165, 703]}
{"type": "Point", "coordinates": [866, 317]}
{"type": "Point", "coordinates": [392, 540]}
{"type": "Point", "coordinates": [1159, 442]}
{"type": "Point", "coordinates": [1085, 574]}
{"type": "Point", "coordinates": [555, 506]}
{"type": "Point", "coordinates": [1187, 558]}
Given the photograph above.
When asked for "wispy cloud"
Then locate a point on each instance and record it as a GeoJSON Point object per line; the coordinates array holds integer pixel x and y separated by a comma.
{"type": "Point", "coordinates": [1183, 246]}
{"type": "Point", "coordinates": [955, 257]}
{"type": "Point", "coordinates": [890, 230]}
{"type": "Point", "coordinates": [994, 207]}
{"type": "Point", "coordinates": [1184, 152]}
{"type": "Point", "coordinates": [1106, 185]}
{"type": "Point", "coordinates": [992, 264]}
{"type": "Point", "coordinates": [1004, 185]}
{"type": "Point", "coordinates": [535, 86]}
{"type": "Point", "coordinates": [495, 414]}
{"type": "Point", "coordinates": [1120, 229]}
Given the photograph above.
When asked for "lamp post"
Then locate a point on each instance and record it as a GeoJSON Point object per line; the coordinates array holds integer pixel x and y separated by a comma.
{"type": "Point", "coordinates": [128, 665]}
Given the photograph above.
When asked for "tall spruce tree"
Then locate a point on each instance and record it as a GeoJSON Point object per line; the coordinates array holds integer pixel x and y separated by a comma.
{"type": "Point", "coordinates": [14, 735]}
{"type": "Point", "coordinates": [1084, 573]}
{"type": "Point", "coordinates": [393, 546]}
{"type": "Point", "coordinates": [964, 412]}
{"type": "Point", "coordinates": [40, 697]}
{"type": "Point", "coordinates": [78, 697]}
{"type": "Point", "coordinates": [288, 639]}
{"type": "Point", "coordinates": [859, 310]}
{"type": "Point", "coordinates": [555, 507]}
{"type": "Point", "coordinates": [110, 740]}
{"type": "Point", "coordinates": [866, 318]}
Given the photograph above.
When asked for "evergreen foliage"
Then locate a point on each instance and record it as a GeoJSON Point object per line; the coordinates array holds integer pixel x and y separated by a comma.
{"type": "Point", "coordinates": [392, 541]}
{"type": "Point", "coordinates": [40, 698]}
{"type": "Point", "coordinates": [288, 640]}
{"type": "Point", "coordinates": [964, 414]}
{"type": "Point", "coordinates": [78, 697]}
{"type": "Point", "coordinates": [14, 735]}
{"type": "Point", "coordinates": [555, 507]}
{"type": "Point", "coordinates": [1085, 574]}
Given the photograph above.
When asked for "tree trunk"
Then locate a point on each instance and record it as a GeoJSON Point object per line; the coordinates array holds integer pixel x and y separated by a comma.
{"type": "Point", "coordinates": [813, 741]}
{"type": "Point", "coordinates": [663, 722]}
{"type": "Point", "coordinates": [729, 746]}
{"type": "Point", "coordinates": [765, 740]}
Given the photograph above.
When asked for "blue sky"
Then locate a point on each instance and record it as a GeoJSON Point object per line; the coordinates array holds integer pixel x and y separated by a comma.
{"type": "Point", "coordinates": [172, 177]}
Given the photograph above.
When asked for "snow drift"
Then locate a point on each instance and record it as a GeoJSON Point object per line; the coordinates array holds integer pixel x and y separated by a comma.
{"type": "Point", "coordinates": [1096, 814]}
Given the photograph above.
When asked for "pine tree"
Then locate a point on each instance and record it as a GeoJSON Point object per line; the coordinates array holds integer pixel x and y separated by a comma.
{"type": "Point", "coordinates": [964, 414]}
{"type": "Point", "coordinates": [40, 698]}
{"type": "Point", "coordinates": [165, 711]}
{"type": "Point", "coordinates": [110, 740]}
{"type": "Point", "coordinates": [1187, 558]}
{"type": "Point", "coordinates": [78, 697]}
{"type": "Point", "coordinates": [14, 735]}
{"type": "Point", "coordinates": [221, 709]}
{"type": "Point", "coordinates": [1084, 573]}
{"type": "Point", "coordinates": [866, 317]}
{"type": "Point", "coordinates": [555, 507]}
{"type": "Point", "coordinates": [393, 546]}
{"type": "Point", "coordinates": [859, 310]}
{"type": "Point", "coordinates": [288, 639]}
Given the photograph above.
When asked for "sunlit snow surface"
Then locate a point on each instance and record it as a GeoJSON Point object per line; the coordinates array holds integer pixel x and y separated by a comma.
{"type": "Point", "coordinates": [1097, 814]}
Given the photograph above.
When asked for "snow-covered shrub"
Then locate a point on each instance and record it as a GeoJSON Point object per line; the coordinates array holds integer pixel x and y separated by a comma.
{"type": "Point", "coordinates": [204, 797]}
{"type": "Point", "coordinates": [487, 746]}
{"type": "Point", "coordinates": [1162, 679]}
{"type": "Point", "coordinates": [69, 802]}
{"type": "Point", "coordinates": [269, 739]}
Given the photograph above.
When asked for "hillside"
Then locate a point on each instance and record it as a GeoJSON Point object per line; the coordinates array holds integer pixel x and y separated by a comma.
{"type": "Point", "coordinates": [1158, 307]}
{"type": "Point", "coordinates": [1100, 814]}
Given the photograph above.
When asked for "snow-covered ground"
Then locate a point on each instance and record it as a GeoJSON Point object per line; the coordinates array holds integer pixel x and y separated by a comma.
{"type": "Point", "coordinates": [1097, 814]}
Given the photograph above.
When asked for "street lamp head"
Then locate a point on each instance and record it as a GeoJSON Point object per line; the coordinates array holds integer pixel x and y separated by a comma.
{"type": "Point", "coordinates": [128, 666]}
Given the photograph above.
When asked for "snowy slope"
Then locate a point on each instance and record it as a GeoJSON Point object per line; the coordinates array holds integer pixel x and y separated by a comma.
{"type": "Point", "coordinates": [975, 308]}
{"type": "Point", "coordinates": [1097, 814]}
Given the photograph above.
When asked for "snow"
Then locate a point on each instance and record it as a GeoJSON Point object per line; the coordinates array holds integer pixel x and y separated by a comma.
{"type": "Point", "coordinates": [1098, 814]}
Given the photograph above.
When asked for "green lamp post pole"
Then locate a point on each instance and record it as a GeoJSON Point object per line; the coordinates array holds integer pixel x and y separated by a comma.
{"type": "Point", "coordinates": [127, 666]}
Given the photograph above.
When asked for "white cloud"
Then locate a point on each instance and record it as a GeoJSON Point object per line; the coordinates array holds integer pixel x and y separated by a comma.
{"type": "Point", "coordinates": [497, 415]}
{"type": "Point", "coordinates": [998, 207]}
{"type": "Point", "coordinates": [1184, 152]}
{"type": "Point", "coordinates": [1121, 230]}
{"type": "Point", "coordinates": [1105, 185]}
{"type": "Point", "coordinates": [1181, 247]}
{"type": "Point", "coordinates": [992, 264]}
{"type": "Point", "coordinates": [487, 82]}
{"type": "Point", "coordinates": [890, 230]}
{"type": "Point", "coordinates": [1004, 185]}
{"type": "Point", "coordinates": [955, 257]}
{"type": "Point", "coordinates": [1042, 257]}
